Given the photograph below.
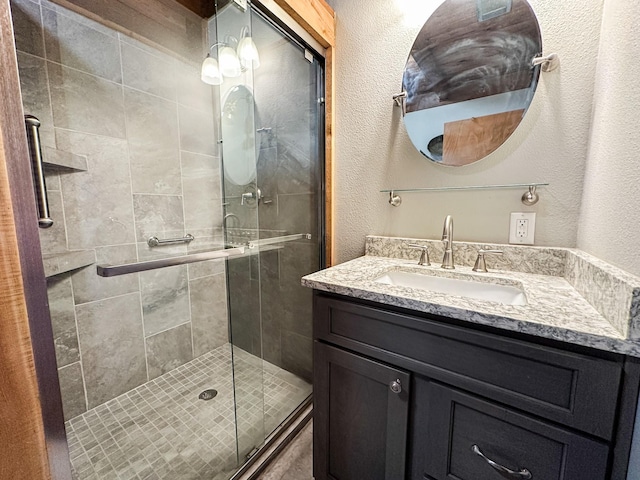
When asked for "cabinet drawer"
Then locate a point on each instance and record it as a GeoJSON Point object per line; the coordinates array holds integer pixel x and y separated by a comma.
{"type": "Point", "coordinates": [457, 423]}
{"type": "Point", "coordinates": [569, 388]}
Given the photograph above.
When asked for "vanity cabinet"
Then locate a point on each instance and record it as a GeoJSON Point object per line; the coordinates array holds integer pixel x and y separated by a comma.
{"type": "Point", "coordinates": [400, 394]}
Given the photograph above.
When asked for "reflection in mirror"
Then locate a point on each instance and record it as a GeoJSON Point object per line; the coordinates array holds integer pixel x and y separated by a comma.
{"type": "Point", "coordinates": [469, 78]}
{"type": "Point", "coordinates": [239, 134]}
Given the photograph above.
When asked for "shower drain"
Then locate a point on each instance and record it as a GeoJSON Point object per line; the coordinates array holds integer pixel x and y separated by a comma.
{"type": "Point", "coordinates": [208, 394]}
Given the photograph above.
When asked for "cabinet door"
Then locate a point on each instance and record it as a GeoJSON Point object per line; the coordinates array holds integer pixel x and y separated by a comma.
{"type": "Point", "coordinates": [360, 417]}
{"type": "Point", "coordinates": [462, 437]}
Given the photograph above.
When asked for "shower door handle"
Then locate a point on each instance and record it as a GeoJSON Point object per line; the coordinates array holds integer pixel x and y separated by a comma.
{"type": "Point", "coordinates": [124, 269]}
{"type": "Point", "coordinates": [35, 149]}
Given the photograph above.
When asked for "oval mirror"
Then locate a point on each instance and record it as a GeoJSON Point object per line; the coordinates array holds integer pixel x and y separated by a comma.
{"type": "Point", "coordinates": [239, 136]}
{"type": "Point", "coordinates": [469, 78]}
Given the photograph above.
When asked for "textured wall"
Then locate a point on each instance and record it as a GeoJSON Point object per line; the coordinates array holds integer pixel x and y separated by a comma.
{"type": "Point", "coordinates": [609, 226]}
{"type": "Point", "coordinates": [373, 151]}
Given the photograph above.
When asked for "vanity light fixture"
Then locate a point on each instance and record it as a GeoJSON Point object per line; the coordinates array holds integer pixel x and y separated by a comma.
{"type": "Point", "coordinates": [247, 50]}
{"type": "Point", "coordinates": [210, 72]}
{"type": "Point", "coordinates": [231, 62]}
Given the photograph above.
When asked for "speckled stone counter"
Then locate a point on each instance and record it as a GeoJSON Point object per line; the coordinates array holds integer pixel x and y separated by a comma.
{"type": "Point", "coordinates": [558, 302]}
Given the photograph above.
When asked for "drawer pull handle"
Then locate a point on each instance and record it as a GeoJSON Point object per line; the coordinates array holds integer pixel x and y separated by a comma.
{"type": "Point", "coordinates": [523, 474]}
{"type": "Point", "coordinates": [396, 386]}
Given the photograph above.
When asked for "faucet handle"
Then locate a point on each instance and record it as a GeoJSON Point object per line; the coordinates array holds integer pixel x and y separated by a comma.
{"type": "Point", "coordinates": [424, 256]}
{"type": "Point", "coordinates": [481, 264]}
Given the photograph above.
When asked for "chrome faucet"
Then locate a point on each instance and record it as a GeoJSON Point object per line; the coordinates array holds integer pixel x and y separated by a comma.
{"type": "Point", "coordinates": [447, 238]}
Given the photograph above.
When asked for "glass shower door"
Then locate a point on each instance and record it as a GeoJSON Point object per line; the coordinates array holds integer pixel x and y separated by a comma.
{"type": "Point", "coordinates": [272, 163]}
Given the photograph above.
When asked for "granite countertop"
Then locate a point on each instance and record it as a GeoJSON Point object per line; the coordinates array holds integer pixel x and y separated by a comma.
{"type": "Point", "coordinates": [555, 309]}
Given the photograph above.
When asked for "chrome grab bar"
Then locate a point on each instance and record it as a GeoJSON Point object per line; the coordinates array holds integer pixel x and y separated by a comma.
{"type": "Point", "coordinates": [270, 241]}
{"type": "Point", "coordinates": [35, 149]}
{"type": "Point", "coordinates": [115, 270]}
{"type": "Point", "coordinates": [155, 241]}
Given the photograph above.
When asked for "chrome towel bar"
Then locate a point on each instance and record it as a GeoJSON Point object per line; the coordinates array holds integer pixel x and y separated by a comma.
{"type": "Point", "coordinates": [35, 149]}
{"type": "Point", "coordinates": [124, 269]}
{"type": "Point", "coordinates": [270, 241]}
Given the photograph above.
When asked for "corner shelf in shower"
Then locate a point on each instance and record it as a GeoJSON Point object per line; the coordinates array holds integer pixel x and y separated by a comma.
{"type": "Point", "coordinates": [57, 263]}
{"type": "Point", "coordinates": [61, 159]}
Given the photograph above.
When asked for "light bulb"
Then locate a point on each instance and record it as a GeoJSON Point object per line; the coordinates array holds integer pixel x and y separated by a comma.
{"type": "Point", "coordinates": [229, 62]}
{"type": "Point", "coordinates": [210, 72]}
{"type": "Point", "coordinates": [248, 53]}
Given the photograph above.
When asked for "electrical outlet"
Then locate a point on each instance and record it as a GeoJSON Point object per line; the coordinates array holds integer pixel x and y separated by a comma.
{"type": "Point", "coordinates": [522, 228]}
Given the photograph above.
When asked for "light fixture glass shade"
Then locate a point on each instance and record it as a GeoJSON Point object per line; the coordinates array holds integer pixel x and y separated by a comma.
{"type": "Point", "coordinates": [229, 62]}
{"type": "Point", "coordinates": [210, 72]}
{"type": "Point", "coordinates": [248, 53]}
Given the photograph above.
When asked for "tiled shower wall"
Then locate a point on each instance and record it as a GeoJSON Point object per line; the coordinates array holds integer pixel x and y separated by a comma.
{"type": "Point", "coordinates": [147, 125]}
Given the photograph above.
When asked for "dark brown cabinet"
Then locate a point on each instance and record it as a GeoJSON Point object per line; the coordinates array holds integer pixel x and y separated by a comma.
{"type": "Point", "coordinates": [404, 395]}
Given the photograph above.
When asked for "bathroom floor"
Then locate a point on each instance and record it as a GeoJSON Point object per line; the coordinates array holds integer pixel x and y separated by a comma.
{"type": "Point", "coordinates": [162, 430]}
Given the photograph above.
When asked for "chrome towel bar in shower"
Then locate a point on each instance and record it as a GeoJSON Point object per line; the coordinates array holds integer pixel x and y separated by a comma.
{"type": "Point", "coordinates": [35, 149]}
{"type": "Point", "coordinates": [124, 269]}
{"type": "Point", "coordinates": [270, 241]}
{"type": "Point", "coordinates": [155, 241]}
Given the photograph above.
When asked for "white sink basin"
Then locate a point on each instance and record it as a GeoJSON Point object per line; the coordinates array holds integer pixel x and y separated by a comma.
{"type": "Point", "coordinates": [492, 292]}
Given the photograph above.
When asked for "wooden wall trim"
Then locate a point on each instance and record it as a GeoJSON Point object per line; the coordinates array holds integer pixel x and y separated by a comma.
{"type": "Point", "coordinates": [329, 154]}
{"type": "Point", "coordinates": [319, 20]}
{"type": "Point", "coordinates": [316, 16]}
{"type": "Point", "coordinates": [32, 437]}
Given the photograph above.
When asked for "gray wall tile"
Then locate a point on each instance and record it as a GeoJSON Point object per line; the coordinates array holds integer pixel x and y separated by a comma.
{"type": "Point", "coordinates": [145, 252]}
{"type": "Point", "coordinates": [148, 72]}
{"type": "Point", "coordinates": [89, 287]}
{"type": "Point", "coordinates": [205, 269]}
{"type": "Point", "coordinates": [296, 261]}
{"type": "Point", "coordinates": [27, 27]}
{"type": "Point", "coordinates": [193, 92]}
{"type": "Point", "coordinates": [63, 320]}
{"type": "Point", "coordinates": [97, 202]}
{"type": "Point", "coordinates": [165, 298]}
{"type": "Point", "coordinates": [78, 45]}
{"type": "Point", "coordinates": [208, 313]}
{"type": "Point", "coordinates": [297, 354]}
{"type": "Point", "coordinates": [158, 215]}
{"type": "Point", "coordinates": [202, 191]}
{"type": "Point", "coordinates": [168, 350]}
{"type": "Point", "coordinates": [206, 240]}
{"type": "Point", "coordinates": [52, 179]}
{"type": "Point", "coordinates": [298, 214]}
{"type": "Point", "coordinates": [112, 346]}
{"type": "Point", "coordinates": [70, 90]}
{"type": "Point", "coordinates": [152, 131]}
{"type": "Point", "coordinates": [72, 390]}
{"type": "Point", "coordinates": [197, 131]}
{"type": "Point", "coordinates": [34, 85]}
{"type": "Point", "coordinates": [54, 238]}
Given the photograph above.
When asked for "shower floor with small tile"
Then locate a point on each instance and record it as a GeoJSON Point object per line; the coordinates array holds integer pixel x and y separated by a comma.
{"type": "Point", "coordinates": [162, 430]}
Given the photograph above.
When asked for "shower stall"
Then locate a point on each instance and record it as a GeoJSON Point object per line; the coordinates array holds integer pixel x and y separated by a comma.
{"type": "Point", "coordinates": [182, 160]}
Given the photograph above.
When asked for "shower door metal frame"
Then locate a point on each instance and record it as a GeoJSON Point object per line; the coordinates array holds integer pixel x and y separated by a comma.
{"type": "Point", "coordinates": [317, 18]}
{"type": "Point", "coordinates": [282, 25]}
